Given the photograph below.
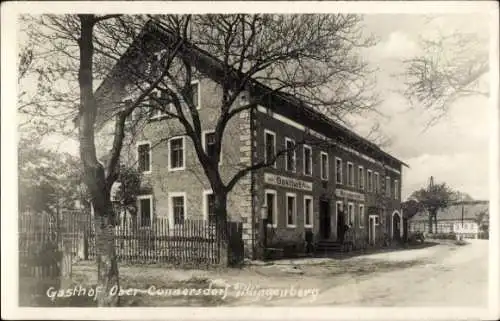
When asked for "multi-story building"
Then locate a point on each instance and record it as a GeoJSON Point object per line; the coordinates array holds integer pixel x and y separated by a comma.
{"type": "Point", "coordinates": [329, 177]}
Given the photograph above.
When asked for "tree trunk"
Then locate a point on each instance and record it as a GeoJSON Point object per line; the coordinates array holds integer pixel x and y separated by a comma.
{"type": "Point", "coordinates": [430, 223]}
{"type": "Point", "coordinates": [94, 176]}
{"type": "Point", "coordinates": [220, 208]}
{"type": "Point", "coordinates": [107, 264]}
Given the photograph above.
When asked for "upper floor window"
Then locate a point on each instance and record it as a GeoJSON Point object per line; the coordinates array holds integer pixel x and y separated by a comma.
{"type": "Point", "coordinates": [290, 154]}
{"type": "Point", "coordinates": [376, 184]}
{"type": "Point", "coordinates": [307, 160]}
{"type": "Point", "coordinates": [388, 186]}
{"type": "Point", "coordinates": [338, 170]}
{"type": "Point", "coordinates": [350, 174]}
{"type": "Point", "coordinates": [361, 177]}
{"type": "Point", "coordinates": [324, 166]}
{"type": "Point", "coordinates": [270, 147]}
{"type": "Point", "coordinates": [195, 93]}
{"type": "Point", "coordinates": [369, 181]}
{"type": "Point", "coordinates": [176, 156]}
{"type": "Point", "coordinates": [209, 144]}
{"type": "Point", "coordinates": [144, 157]}
{"type": "Point", "coordinates": [159, 104]}
{"type": "Point", "coordinates": [396, 189]}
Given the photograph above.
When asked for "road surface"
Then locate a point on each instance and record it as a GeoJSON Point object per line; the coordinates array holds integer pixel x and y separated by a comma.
{"type": "Point", "coordinates": [446, 275]}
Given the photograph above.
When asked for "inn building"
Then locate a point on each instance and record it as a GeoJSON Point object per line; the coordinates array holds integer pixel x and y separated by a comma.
{"type": "Point", "coordinates": [328, 178]}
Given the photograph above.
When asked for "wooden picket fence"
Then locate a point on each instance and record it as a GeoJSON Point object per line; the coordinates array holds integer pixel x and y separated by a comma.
{"type": "Point", "coordinates": [39, 254]}
{"type": "Point", "coordinates": [192, 242]}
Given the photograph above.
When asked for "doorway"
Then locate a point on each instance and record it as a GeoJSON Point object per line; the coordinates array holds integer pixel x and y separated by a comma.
{"type": "Point", "coordinates": [372, 230]}
{"type": "Point", "coordinates": [396, 226]}
{"type": "Point", "coordinates": [324, 219]}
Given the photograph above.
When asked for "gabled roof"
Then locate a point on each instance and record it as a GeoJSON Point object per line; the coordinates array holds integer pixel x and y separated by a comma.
{"type": "Point", "coordinates": [454, 211]}
{"type": "Point", "coordinates": [291, 106]}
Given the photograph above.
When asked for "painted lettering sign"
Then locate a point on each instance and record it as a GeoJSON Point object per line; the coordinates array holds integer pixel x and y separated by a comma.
{"type": "Point", "coordinates": [342, 193]}
{"type": "Point", "coordinates": [287, 182]}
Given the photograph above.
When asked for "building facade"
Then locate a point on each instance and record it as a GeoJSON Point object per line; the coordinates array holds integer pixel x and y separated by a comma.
{"type": "Point", "coordinates": [327, 179]}
{"type": "Point", "coordinates": [458, 218]}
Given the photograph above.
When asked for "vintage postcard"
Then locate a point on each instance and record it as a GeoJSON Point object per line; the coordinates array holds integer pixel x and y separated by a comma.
{"type": "Point", "coordinates": [250, 160]}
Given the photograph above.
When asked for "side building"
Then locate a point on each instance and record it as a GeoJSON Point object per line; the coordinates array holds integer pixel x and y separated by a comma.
{"type": "Point", "coordinates": [329, 177]}
{"type": "Point", "coordinates": [460, 218]}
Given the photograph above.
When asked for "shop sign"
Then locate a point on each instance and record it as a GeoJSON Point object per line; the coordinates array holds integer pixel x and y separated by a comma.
{"type": "Point", "coordinates": [287, 182]}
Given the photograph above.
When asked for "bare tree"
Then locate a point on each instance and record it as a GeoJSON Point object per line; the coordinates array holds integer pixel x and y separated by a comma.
{"type": "Point", "coordinates": [309, 58]}
{"type": "Point", "coordinates": [449, 67]}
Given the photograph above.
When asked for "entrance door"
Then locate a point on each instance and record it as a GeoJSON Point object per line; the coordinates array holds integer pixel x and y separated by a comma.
{"type": "Point", "coordinates": [396, 226]}
{"type": "Point", "coordinates": [371, 229]}
{"type": "Point", "coordinates": [324, 219]}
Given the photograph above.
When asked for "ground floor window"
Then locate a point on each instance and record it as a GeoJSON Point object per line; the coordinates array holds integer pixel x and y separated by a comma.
{"type": "Point", "coordinates": [209, 206]}
{"type": "Point", "coordinates": [291, 209]}
{"type": "Point", "coordinates": [271, 208]}
{"type": "Point", "coordinates": [144, 209]}
{"type": "Point", "coordinates": [361, 215]}
{"type": "Point", "coordinates": [350, 213]}
{"type": "Point", "coordinates": [177, 208]}
{"type": "Point", "coordinates": [308, 211]}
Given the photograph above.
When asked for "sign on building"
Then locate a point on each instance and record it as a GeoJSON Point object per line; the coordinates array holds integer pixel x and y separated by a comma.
{"type": "Point", "coordinates": [287, 182]}
{"type": "Point", "coordinates": [342, 193]}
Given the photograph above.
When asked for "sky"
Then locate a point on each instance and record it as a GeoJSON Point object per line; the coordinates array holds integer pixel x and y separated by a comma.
{"type": "Point", "coordinates": [455, 150]}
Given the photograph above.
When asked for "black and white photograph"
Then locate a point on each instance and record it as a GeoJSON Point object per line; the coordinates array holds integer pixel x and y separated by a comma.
{"type": "Point", "coordinates": [249, 155]}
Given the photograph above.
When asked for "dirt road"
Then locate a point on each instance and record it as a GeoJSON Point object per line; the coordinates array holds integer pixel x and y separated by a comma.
{"type": "Point", "coordinates": [445, 275]}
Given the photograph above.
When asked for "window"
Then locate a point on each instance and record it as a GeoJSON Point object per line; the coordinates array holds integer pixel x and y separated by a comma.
{"type": "Point", "coordinates": [338, 209]}
{"type": "Point", "coordinates": [307, 160]}
{"type": "Point", "coordinates": [388, 186]}
{"type": "Point", "coordinates": [361, 215]}
{"type": "Point", "coordinates": [145, 209]}
{"type": "Point", "coordinates": [177, 208]}
{"type": "Point", "coordinates": [361, 177]}
{"type": "Point", "coordinates": [290, 154]}
{"type": "Point", "coordinates": [209, 144]}
{"type": "Point", "coordinates": [308, 211]}
{"type": "Point", "coordinates": [272, 208]}
{"type": "Point", "coordinates": [209, 206]}
{"type": "Point", "coordinates": [291, 209]}
{"type": "Point", "coordinates": [338, 170]}
{"type": "Point", "coordinates": [324, 166]}
{"type": "Point", "coordinates": [396, 189]}
{"type": "Point", "coordinates": [369, 181]}
{"type": "Point", "coordinates": [376, 185]}
{"type": "Point", "coordinates": [176, 159]}
{"type": "Point", "coordinates": [144, 157]}
{"type": "Point", "coordinates": [350, 213]}
{"type": "Point", "coordinates": [270, 145]}
{"type": "Point", "coordinates": [195, 93]}
{"type": "Point", "coordinates": [159, 104]}
{"type": "Point", "coordinates": [350, 174]}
